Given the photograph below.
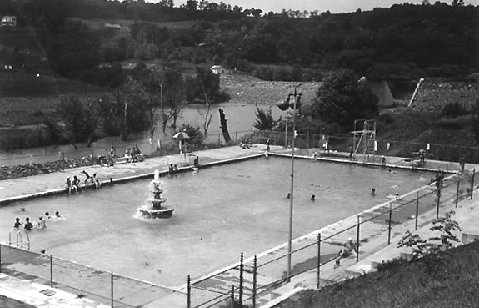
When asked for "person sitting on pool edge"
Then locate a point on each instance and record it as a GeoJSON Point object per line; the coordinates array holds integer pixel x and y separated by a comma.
{"type": "Point", "coordinates": [69, 185]}
{"type": "Point", "coordinates": [75, 183]}
{"type": "Point", "coordinates": [88, 178]}
{"type": "Point", "coordinates": [96, 181]}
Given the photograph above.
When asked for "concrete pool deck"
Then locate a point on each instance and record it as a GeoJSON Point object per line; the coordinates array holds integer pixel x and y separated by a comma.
{"type": "Point", "coordinates": [44, 184]}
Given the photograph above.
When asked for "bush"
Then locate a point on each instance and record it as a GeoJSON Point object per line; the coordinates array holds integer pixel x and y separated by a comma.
{"type": "Point", "coordinates": [195, 134]}
{"type": "Point", "coordinates": [454, 123]}
{"type": "Point", "coordinates": [453, 110]}
{"type": "Point", "coordinates": [386, 118]}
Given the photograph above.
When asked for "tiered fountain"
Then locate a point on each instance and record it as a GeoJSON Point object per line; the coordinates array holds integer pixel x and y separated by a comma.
{"type": "Point", "coordinates": [155, 210]}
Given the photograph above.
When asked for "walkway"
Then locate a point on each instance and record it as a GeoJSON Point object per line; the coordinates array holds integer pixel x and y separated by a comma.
{"type": "Point", "coordinates": [221, 282]}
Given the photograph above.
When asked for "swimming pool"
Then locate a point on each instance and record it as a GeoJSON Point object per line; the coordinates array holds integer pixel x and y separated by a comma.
{"type": "Point", "coordinates": [219, 212]}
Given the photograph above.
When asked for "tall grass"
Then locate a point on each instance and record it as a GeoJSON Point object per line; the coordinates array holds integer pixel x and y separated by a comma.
{"type": "Point", "coordinates": [451, 280]}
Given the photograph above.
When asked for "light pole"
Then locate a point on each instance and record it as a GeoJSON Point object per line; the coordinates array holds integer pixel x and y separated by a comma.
{"type": "Point", "coordinates": [284, 106]}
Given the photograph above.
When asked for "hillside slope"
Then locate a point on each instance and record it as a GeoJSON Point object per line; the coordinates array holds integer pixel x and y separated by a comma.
{"type": "Point", "coordinates": [451, 281]}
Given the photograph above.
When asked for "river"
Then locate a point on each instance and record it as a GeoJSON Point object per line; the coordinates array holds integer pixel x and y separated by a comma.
{"type": "Point", "coordinates": [240, 117]}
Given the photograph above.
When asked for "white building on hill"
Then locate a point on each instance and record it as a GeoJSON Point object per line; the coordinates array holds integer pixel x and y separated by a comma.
{"type": "Point", "coordinates": [218, 69]}
{"type": "Point", "coordinates": [9, 21]}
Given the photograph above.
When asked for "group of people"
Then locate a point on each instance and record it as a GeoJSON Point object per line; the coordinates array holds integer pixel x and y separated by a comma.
{"type": "Point", "coordinates": [172, 168]}
{"type": "Point", "coordinates": [40, 224]}
{"type": "Point", "coordinates": [246, 144]}
{"type": "Point", "coordinates": [75, 183]}
{"type": "Point", "coordinates": [133, 155]}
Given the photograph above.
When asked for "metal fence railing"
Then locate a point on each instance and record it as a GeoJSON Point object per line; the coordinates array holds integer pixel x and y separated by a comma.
{"type": "Point", "coordinates": [84, 281]}
{"type": "Point", "coordinates": [342, 146]}
{"type": "Point", "coordinates": [33, 161]}
{"type": "Point", "coordinates": [246, 282]}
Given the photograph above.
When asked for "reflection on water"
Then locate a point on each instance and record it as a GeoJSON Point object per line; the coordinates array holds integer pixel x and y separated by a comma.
{"type": "Point", "coordinates": [240, 122]}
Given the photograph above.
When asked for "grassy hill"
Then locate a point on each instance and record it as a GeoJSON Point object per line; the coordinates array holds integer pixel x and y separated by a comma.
{"type": "Point", "coordinates": [13, 84]}
{"type": "Point", "coordinates": [451, 281]}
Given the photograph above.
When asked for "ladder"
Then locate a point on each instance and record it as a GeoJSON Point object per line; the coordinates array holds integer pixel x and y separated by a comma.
{"type": "Point", "coordinates": [367, 137]}
{"type": "Point", "coordinates": [19, 236]}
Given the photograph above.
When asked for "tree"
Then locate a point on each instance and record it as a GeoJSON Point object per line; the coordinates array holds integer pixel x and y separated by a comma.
{"type": "Point", "coordinates": [475, 120]}
{"type": "Point", "coordinates": [446, 226]}
{"type": "Point", "coordinates": [264, 120]}
{"type": "Point", "coordinates": [174, 94]}
{"type": "Point", "coordinates": [196, 137]}
{"type": "Point", "coordinates": [420, 247]}
{"type": "Point", "coordinates": [192, 5]}
{"type": "Point", "coordinates": [205, 88]}
{"type": "Point", "coordinates": [110, 111]}
{"type": "Point", "coordinates": [132, 98]}
{"type": "Point", "coordinates": [224, 126]}
{"type": "Point", "coordinates": [343, 98]}
{"type": "Point", "coordinates": [81, 119]}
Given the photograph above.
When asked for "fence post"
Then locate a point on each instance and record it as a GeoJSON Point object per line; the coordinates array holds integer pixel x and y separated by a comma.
{"type": "Point", "coordinates": [232, 296]}
{"type": "Point", "coordinates": [357, 241]}
{"type": "Point", "coordinates": [472, 181]}
{"type": "Point", "coordinates": [318, 265]}
{"type": "Point", "coordinates": [286, 136]}
{"type": "Point", "coordinates": [390, 222]}
{"type": "Point", "coordinates": [438, 200]}
{"type": "Point", "coordinates": [255, 274]}
{"type": "Point", "coordinates": [457, 190]}
{"type": "Point", "coordinates": [417, 207]}
{"type": "Point", "coordinates": [240, 295]}
{"type": "Point", "coordinates": [188, 292]}
{"type": "Point", "coordinates": [92, 159]}
{"type": "Point", "coordinates": [111, 290]}
{"type": "Point", "coordinates": [51, 271]}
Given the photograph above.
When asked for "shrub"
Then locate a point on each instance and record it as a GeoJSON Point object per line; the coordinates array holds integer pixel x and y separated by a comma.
{"type": "Point", "coordinates": [454, 123]}
{"type": "Point", "coordinates": [453, 110]}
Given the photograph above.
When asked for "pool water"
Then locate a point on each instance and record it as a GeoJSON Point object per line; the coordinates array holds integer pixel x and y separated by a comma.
{"type": "Point", "coordinates": [219, 212]}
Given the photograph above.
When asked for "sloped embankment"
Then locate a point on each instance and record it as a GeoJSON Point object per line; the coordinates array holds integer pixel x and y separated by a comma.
{"type": "Point", "coordinates": [450, 281]}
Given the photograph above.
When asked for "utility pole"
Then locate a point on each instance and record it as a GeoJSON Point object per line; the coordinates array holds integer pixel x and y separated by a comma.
{"type": "Point", "coordinates": [284, 106]}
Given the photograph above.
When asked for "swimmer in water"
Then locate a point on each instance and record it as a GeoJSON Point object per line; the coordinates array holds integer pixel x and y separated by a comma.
{"type": "Point", "coordinates": [41, 224]}
{"type": "Point", "coordinates": [28, 225]}
{"type": "Point", "coordinates": [17, 224]}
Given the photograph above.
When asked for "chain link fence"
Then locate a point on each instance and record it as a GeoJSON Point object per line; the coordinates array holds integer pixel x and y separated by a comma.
{"type": "Point", "coordinates": [84, 281]}
{"type": "Point", "coordinates": [342, 146]}
{"type": "Point", "coordinates": [250, 281]}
